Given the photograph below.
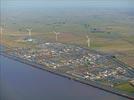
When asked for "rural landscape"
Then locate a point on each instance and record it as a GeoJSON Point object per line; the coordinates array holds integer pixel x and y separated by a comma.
{"type": "Point", "coordinates": [86, 43]}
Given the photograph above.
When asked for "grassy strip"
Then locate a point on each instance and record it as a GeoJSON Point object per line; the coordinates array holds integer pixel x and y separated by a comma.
{"type": "Point", "coordinates": [125, 87]}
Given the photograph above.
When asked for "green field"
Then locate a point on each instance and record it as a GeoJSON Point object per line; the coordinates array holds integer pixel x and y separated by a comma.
{"type": "Point", "coordinates": [125, 87]}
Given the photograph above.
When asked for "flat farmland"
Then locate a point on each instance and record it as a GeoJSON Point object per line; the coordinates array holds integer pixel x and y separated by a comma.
{"type": "Point", "coordinates": [109, 30]}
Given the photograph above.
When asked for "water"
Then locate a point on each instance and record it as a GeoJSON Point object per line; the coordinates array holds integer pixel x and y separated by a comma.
{"type": "Point", "coordinates": [22, 82]}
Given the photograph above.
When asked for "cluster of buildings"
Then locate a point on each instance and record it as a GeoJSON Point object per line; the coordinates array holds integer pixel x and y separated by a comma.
{"type": "Point", "coordinates": [75, 61]}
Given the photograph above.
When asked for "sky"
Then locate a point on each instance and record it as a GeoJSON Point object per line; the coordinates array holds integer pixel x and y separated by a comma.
{"type": "Point", "coordinates": [69, 3]}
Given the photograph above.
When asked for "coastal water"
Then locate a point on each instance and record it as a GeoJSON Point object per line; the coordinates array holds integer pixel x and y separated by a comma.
{"type": "Point", "coordinates": [19, 81]}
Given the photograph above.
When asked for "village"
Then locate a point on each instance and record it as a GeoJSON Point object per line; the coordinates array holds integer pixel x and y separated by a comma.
{"type": "Point", "coordinates": [76, 61]}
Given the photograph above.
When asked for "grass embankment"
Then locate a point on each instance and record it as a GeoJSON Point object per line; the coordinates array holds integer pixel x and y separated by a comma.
{"type": "Point", "coordinates": [125, 87]}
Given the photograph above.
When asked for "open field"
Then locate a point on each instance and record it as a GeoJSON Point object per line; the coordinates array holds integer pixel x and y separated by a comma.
{"type": "Point", "coordinates": [125, 87]}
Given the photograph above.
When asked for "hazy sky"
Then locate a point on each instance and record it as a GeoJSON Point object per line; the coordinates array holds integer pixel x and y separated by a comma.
{"type": "Point", "coordinates": [70, 3]}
